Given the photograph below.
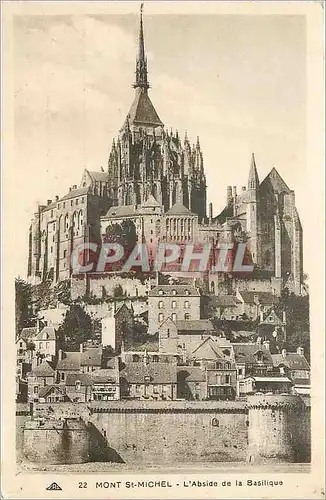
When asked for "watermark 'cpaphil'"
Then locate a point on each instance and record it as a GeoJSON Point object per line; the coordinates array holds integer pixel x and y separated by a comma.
{"type": "Point", "coordinates": [171, 257]}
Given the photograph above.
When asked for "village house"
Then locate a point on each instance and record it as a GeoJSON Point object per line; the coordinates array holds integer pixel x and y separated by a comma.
{"type": "Point", "coordinates": [78, 387]}
{"type": "Point", "coordinates": [117, 327]}
{"type": "Point", "coordinates": [52, 394]}
{"type": "Point", "coordinates": [178, 302]}
{"type": "Point", "coordinates": [252, 303]}
{"type": "Point", "coordinates": [226, 307]}
{"type": "Point", "coordinates": [106, 382]}
{"type": "Point", "coordinates": [296, 367]}
{"type": "Point", "coordinates": [251, 359]}
{"type": "Point", "coordinates": [156, 380]}
{"type": "Point", "coordinates": [43, 374]}
{"type": "Point", "coordinates": [46, 342]}
{"type": "Point", "coordinates": [266, 384]}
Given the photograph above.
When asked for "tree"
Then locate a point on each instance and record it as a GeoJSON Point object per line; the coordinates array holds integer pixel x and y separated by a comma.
{"type": "Point", "coordinates": [24, 311]}
{"type": "Point", "coordinates": [297, 321]}
{"type": "Point", "coordinates": [76, 327]}
{"type": "Point", "coordinates": [125, 235]}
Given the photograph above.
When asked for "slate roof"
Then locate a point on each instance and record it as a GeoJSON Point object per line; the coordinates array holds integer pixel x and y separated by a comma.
{"type": "Point", "coordinates": [121, 211]}
{"type": "Point", "coordinates": [301, 381]}
{"type": "Point", "coordinates": [264, 298]}
{"type": "Point", "coordinates": [274, 180]}
{"type": "Point", "coordinates": [70, 361]}
{"type": "Point", "coordinates": [45, 369]}
{"type": "Point", "coordinates": [103, 376]}
{"type": "Point", "coordinates": [44, 391]}
{"type": "Point", "coordinates": [142, 110]}
{"type": "Point", "coordinates": [159, 373]}
{"type": "Point", "coordinates": [218, 347]}
{"type": "Point", "coordinates": [91, 357]}
{"type": "Point", "coordinates": [225, 301]}
{"type": "Point", "coordinates": [48, 330]}
{"type": "Point", "coordinates": [179, 209]}
{"type": "Point", "coordinates": [99, 176]}
{"type": "Point", "coordinates": [293, 361]}
{"type": "Point", "coordinates": [245, 354]}
{"type": "Point", "coordinates": [195, 373]}
{"type": "Point", "coordinates": [151, 202]}
{"type": "Point", "coordinates": [76, 192]}
{"type": "Point", "coordinates": [28, 333]}
{"type": "Point", "coordinates": [195, 325]}
{"type": "Point", "coordinates": [180, 290]}
{"type": "Point", "coordinates": [83, 378]}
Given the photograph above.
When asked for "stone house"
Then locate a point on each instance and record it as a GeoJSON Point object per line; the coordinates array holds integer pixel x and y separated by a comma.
{"type": "Point", "coordinates": [296, 367]}
{"type": "Point", "coordinates": [42, 375]}
{"type": "Point", "coordinates": [78, 387]}
{"type": "Point", "coordinates": [266, 384]}
{"type": "Point", "coordinates": [106, 382]}
{"type": "Point", "coordinates": [253, 303]}
{"type": "Point", "coordinates": [52, 394]}
{"type": "Point", "coordinates": [46, 342]}
{"type": "Point", "coordinates": [178, 302]}
{"type": "Point", "coordinates": [226, 307]}
{"type": "Point", "coordinates": [117, 327]}
{"type": "Point", "coordinates": [154, 380]}
{"type": "Point", "coordinates": [68, 363]}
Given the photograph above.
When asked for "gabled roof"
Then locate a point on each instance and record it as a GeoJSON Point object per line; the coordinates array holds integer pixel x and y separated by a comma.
{"type": "Point", "coordinates": [158, 373]}
{"type": "Point", "coordinates": [91, 357]}
{"type": "Point", "coordinates": [50, 333]}
{"type": "Point", "coordinates": [181, 291]}
{"type": "Point", "coordinates": [122, 211]}
{"type": "Point", "coordinates": [245, 354]}
{"type": "Point", "coordinates": [274, 180]}
{"type": "Point", "coordinates": [44, 391]}
{"type": "Point", "coordinates": [195, 325]}
{"type": "Point", "coordinates": [151, 202]}
{"type": "Point", "coordinates": [265, 298]}
{"type": "Point", "coordinates": [292, 360]}
{"type": "Point", "coordinates": [104, 376]}
{"type": "Point", "coordinates": [99, 176]}
{"type": "Point", "coordinates": [192, 373]}
{"type": "Point", "coordinates": [70, 361]}
{"type": "Point", "coordinates": [76, 192]}
{"type": "Point", "coordinates": [209, 349]}
{"type": "Point", "coordinates": [28, 333]}
{"type": "Point", "coordinates": [225, 301]}
{"type": "Point", "coordinates": [142, 111]}
{"type": "Point", "coordinates": [179, 209]}
{"type": "Point", "coordinates": [83, 378]}
{"type": "Point", "coordinates": [45, 369]}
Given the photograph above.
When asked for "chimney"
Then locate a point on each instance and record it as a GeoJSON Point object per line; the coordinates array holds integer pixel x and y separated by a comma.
{"type": "Point", "coordinates": [300, 351]}
{"type": "Point", "coordinates": [266, 344]}
{"type": "Point", "coordinates": [60, 354]}
{"type": "Point", "coordinates": [243, 188]}
{"type": "Point", "coordinates": [235, 192]}
{"type": "Point", "coordinates": [81, 347]}
{"type": "Point", "coordinates": [284, 353]}
{"type": "Point", "coordinates": [69, 189]}
{"type": "Point", "coordinates": [49, 202]}
{"type": "Point", "coordinates": [228, 195]}
{"type": "Point", "coordinates": [75, 186]}
{"type": "Point", "coordinates": [210, 210]}
{"type": "Point", "coordinates": [56, 197]}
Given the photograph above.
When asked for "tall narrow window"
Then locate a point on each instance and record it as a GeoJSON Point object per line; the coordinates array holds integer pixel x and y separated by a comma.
{"type": "Point", "coordinates": [160, 317]}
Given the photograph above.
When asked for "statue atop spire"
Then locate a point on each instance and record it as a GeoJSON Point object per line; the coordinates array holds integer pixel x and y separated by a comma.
{"type": "Point", "coordinates": [141, 63]}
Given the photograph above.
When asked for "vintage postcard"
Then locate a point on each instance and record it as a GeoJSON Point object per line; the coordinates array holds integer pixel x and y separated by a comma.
{"type": "Point", "coordinates": [162, 250]}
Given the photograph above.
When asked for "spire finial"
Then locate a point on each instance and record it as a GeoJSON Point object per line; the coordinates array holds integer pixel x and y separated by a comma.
{"type": "Point", "coordinates": [141, 63]}
{"type": "Point", "coordinates": [253, 180]}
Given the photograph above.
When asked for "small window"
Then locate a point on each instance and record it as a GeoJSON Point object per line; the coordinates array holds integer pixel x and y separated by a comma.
{"type": "Point", "coordinates": [63, 205]}
{"type": "Point", "coordinates": [160, 292]}
{"type": "Point", "coordinates": [138, 388]}
{"type": "Point", "coordinates": [64, 254]}
{"type": "Point", "coordinates": [160, 317]}
{"type": "Point", "coordinates": [51, 250]}
{"type": "Point", "coordinates": [160, 304]}
{"type": "Point", "coordinates": [187, 292]}
{"type": "Point", "coordinates": [135, 358]}
{"type": "Point", "coordinates": [227, 379]}
{"type": "Point", "coordinates": [215, 422]}
{"type": "Point", "coordinates": [155, 388]}
{"type": "Point", "coordinates": [174, 317]}
{"type": "Point", "coordinates": [155, 359]}
{"type": "Point", "coordinates": [147, 379]}
{"type": "Point", "coordinates": [174, 292]}
{"type": "Point", "coordinates": [59, 205]}
{"type": "Point", "coordinates": [62, 376]}
{"type": "Point", "coordinates": [72, 202]}
{"type": "Point", "coordinates": [187, 305]}
{"type": "Point", "coordinates": [83, 199]}
{"type": "Point", "coordinates": [77, 201]}
{"type": "Point", "coordinates": [168, 332]}
{"type": "Point", "coordinates": [187, 316]}
{"type": "Point", "coordinates": [174, 304]}
{"type": "Point", "coordinates": [36, 389]}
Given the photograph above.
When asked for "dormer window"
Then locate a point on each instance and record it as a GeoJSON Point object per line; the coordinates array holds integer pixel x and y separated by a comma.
{"type": "Point", "coordinates": [187, 292]}
{"type": "Point", "coordinates": [160, 292]}
{"type": "Point", "coordinates": [147, 379]}
{"type": "Point", "coordinates": [174, 292]}
{"type": "Point", "coordinates": [78, 385]}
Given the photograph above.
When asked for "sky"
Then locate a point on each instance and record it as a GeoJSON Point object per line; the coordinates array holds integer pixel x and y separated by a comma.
{"type": "Point", "coordinates": [238, 82]}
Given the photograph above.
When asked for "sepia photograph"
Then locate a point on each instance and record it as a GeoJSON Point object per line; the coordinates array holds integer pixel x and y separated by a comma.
{"type": "Point", "coordinates": [160, 268]}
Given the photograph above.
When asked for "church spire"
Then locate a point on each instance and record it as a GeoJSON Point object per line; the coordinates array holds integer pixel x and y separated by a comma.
{"type": "Point", "coordinates": [141, 63]}
{"type": "Point", "coordinates": [253, 180]}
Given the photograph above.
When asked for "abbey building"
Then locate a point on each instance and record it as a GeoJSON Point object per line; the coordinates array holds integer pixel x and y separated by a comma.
{"type": "Point", "coordinates": [156, 179]}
